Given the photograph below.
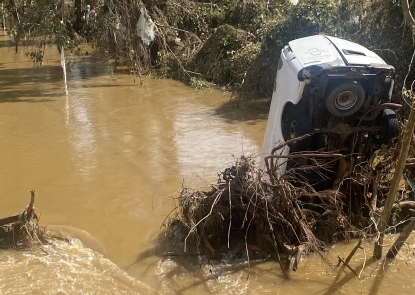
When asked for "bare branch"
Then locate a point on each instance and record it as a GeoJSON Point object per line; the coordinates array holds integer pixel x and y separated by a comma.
{"type": "Point", "coordinates": [408, 15]}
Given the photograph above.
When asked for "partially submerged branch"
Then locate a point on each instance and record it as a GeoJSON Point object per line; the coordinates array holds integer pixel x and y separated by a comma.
{"type": "Point", "coordinates": [400, 241]}
{"type": "Point", "coordinates": [21, 230]}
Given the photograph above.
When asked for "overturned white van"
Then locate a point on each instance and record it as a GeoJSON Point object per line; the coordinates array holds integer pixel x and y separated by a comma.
{"type": "Point", "coordinates": [330, 88]}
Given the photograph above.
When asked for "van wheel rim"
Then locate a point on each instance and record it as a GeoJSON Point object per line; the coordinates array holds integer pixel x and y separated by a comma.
{"type": "Point", "coordinates": [345, 100]}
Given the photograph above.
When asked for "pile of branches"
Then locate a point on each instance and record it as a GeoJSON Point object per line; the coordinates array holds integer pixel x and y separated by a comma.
{"type": "Point", "coordinates": [22, 230]}
{"type": "Point", "coordinates": [258, 214]}
{"type": "Point", "coordinates": [245, 208]}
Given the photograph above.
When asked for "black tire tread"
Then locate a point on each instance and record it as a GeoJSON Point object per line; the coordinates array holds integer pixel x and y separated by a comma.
{"type": "Point", "coordinates": [303, 127]}
{"type": "Point", "coordinates": [390, 123]}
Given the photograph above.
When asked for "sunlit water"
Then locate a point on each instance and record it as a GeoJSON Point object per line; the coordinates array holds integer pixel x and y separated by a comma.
{"type": "Point", "coordinates": [106, 161]}
{"type": "Point", "coordinates": [64, 269]}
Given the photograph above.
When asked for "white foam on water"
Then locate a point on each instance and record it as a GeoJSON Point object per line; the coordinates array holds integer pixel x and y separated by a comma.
{"type": "Point", "coordinates": [66, 269]}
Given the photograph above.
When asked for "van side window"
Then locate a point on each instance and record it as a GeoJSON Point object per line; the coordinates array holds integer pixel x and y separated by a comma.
{"type": "Point", "coordinates": [350, 52]}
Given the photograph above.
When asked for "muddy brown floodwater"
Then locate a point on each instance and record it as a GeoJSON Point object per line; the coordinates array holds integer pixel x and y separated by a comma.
{"type": "Point", "coordinates": [104, 161]}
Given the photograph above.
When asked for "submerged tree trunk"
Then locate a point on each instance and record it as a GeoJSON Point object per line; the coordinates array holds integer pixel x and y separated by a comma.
{"type": "Point", "coordinates": [401, 240]}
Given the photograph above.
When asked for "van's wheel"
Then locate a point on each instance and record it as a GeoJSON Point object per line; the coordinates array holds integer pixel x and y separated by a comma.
{"type": "Point", "coordinates": [345, 99]}
{"type": "Point", "coordinates": [389, 126]}
{"type": "Point", "coordinates": [295, 125]}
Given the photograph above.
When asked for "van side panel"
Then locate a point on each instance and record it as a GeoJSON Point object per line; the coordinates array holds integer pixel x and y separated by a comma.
{"type": "Point", "coordinates": [288, 89]}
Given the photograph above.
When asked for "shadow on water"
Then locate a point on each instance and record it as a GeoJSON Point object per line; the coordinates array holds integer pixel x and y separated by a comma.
{"type": "Point", "coordinates": [194, 264]}
{"type": "Point", "coordinates": [338, 282]}
{"type": "Point", "coordinates": [204, 270]}
{"type": "Point", "coordinates": [197, 264]}
{"type": "Point", "coordinates": [380, 276]}
{"type": "Point", "coordinates": [250, 112]}
{"type": "Point", "coordinates": [6, 43]}
{"type": "Point", "coordinates": [21, 44]}
{"type": "Point", "coordinates": [29, 100]}
{"type": "Point", "coordinates": [382, 266]}
{"type": "Point", "coordinates": [25, 84]}
{"type": "Point", "coordinates": [16, 84]}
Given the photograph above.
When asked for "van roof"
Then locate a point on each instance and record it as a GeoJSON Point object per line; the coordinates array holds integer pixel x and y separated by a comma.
{"type": "Point", "coordinates": [332, 51]}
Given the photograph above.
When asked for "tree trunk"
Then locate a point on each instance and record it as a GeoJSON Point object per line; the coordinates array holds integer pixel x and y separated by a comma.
{"type": "Point", "coordinates": [400, 165]}
{"type": "Point", "coordinates": [408, 15]}
{"type": "Point", "coordinates": [78, 10]}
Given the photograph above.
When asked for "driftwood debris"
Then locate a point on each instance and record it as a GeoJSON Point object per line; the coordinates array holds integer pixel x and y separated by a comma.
{"type": "Point", "coordinates": [257, 214]}
{"type": "Point", "coordinates": [279, 219]}
{"type": "Point", "coordinates": [21, 230]}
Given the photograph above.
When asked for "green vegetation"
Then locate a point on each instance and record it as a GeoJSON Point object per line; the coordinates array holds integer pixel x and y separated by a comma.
{"type": "Point", "coordinates": [231, 43]}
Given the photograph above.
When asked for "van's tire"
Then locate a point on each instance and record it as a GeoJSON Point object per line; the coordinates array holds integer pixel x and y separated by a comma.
{"type": "Point", "coordinates": [345, 99]}
{"type": "Point", "coordinates": [389, 126]}
{"type": "Point", "coordinates": [295, 125]}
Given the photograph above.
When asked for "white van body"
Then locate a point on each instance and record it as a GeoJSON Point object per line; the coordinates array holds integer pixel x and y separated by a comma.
{"type": "Point", "coordinates": [306, 68]}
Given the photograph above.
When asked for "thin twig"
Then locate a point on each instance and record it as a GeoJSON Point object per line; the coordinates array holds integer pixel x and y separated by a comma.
{"type": "Point", "coordinates": [348, 266]}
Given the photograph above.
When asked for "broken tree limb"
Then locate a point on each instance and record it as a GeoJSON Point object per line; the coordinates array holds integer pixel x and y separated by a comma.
{"type": "Point", "coordinates": [349, 257]}
{"type": "Point", "coordinates": [269, 159]}
{"type": "Point", "coordinates": [408, 15]}
{"type": "Point", "coordinates": [407, 207]}
{"type": "Point", "coordinates": [358, 246]}
{"type": "Point", "coordinates": [306, 155]}
{"type": "Point", "coordinates": [280, 146]}
{"type": "Point", "coordinates": [375, 189]}
{"type": "Point", "coordinates": [29, 209]}
{"type": "Point", "coordinates": [10, 219]}
{"type": "Point", "coordinates": [27, 212]}
{"type": "Point", "coordinates": [397, 245]}
{"type": "Point", "coordinates": [348, 266]}
{"type": "Point", "coordinates": [17, 229]}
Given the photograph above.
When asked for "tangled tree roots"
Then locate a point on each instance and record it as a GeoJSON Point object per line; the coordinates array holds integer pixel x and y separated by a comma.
{"type": "Point", "coordinates": [277, 219]}
{"type": "Point", "coordinates": [248, 212]}
{"type": "Point", "coordinates": [22, 230]}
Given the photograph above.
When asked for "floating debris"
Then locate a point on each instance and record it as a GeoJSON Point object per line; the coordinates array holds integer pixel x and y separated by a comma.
{"type": "Point", "coordinates": [22, 230]}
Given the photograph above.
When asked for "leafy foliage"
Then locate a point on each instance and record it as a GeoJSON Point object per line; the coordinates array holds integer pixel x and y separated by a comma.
{"type": "Point", "coordinates": [227, 42]}
{"type": "Point", "coordinates": [40, 22]}
{"type": "Point", "coordinates": [309, 17]}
